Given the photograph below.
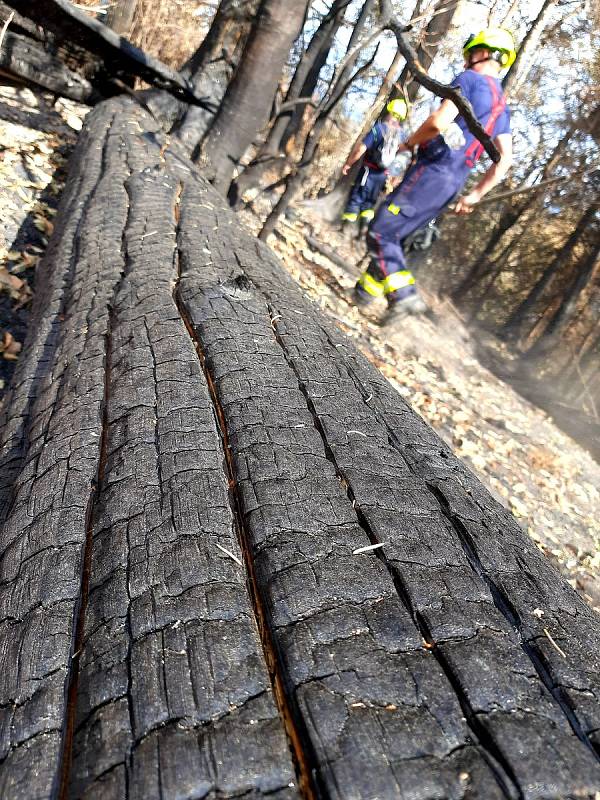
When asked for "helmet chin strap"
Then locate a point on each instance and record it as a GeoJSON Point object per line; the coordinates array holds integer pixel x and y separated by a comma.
{"type": "Point", "coordinates": [496, 56]}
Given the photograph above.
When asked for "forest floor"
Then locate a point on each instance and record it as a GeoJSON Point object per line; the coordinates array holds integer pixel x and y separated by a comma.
{"type": "Point", "coordinates": [551, 484]}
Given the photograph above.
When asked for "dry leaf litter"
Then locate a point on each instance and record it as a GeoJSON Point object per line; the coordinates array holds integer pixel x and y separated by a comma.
{"type": "Point", "coordinates": [36, 139]}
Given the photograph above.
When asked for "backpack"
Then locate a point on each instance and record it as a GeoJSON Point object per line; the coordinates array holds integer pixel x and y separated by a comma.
{"type": "Point", "coordinates": [422, 238]}
{"type": "Point", "coordinates": [385, 152]}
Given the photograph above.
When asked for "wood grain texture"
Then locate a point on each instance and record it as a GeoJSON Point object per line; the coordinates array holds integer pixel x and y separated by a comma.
{"type": "Point", "coordinates": [27, 59]}
{"type": "Point", "coordinates": [191, 457]}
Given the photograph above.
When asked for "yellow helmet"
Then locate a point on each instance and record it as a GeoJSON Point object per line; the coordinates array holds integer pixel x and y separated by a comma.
{"type": "Point", "coordinates": [398, 108]}
{"type": "Point", "coordinates": [496, 39]}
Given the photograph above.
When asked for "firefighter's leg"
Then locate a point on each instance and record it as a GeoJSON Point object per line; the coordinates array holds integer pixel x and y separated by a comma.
{"type": "Point", "coordinates": [425, 190]}
{"type": "Point", "coordinates": [355, 202]}
{"type": "Point", "coordinates": [386, 258]}
{"type": "Point", "coordinates": [371, 191]}
{"type": "Point", "coordinates": [369, 286]}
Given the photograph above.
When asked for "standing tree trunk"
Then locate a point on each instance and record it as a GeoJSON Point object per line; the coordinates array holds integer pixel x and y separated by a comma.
{"type": "Point", "coordinates": [340, 82]}
{"type": "Point", "coordinates": [247, 103]}
{"type": "Point", "coordinates": [566, 308]}
{"type": "Point", "coordinates": [230, 25]}
{"type": "Point", "coordinates": [355, 37]}
{"type": "Point", "coordinates": [480, 268]}
{"type": "Point", "coordinates": [209, 69]}
{"type": "Point", "coordinates": [120, 16]}
{"type": "Point", "coordinates": [306, 77]}
{"type": "Point", "coordinates": [526, 52]}
{"type": "Point", "coordinates": [511, 330]}
{"type": "Point", "coordinates": [306, 72]}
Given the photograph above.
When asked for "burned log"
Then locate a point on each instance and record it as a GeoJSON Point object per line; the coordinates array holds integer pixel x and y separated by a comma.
{"type": "Point", "coordinates": [234, 561]}
{"type": "Point", "coordinates": [29, 61]}
{"type": "Point", "coordinates": [115, 58]}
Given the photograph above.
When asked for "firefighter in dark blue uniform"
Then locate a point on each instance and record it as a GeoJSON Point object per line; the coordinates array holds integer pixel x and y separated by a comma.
{"type": "Point", "coordinates": [439, 172]}
{"type": "Point", "coordinates": [379, 148]}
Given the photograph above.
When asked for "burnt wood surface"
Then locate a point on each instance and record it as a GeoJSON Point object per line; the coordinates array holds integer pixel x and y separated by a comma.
{"type": "Point", "coordinates": [31, 61]}
{"type": "Point", "coordinates": [191, 457]}
{"type": "Point", "coordinates": [117, 57]}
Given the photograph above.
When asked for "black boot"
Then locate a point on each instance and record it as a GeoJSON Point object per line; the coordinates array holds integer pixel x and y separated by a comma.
{"type": "Point", "coordinates": [348, 230]}
{"type": "Point", "coordinates": [412, 304]}
{"type": "Point", "coordinates": [363, 227]}
{"type": "Point", "coordinates": [360, 297]}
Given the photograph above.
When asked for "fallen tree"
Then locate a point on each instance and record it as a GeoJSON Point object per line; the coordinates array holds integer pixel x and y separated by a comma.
{"type": "Point", "coordinates": [99, 54]}
{"type": "Point", "coordinates": [234, 561]}
{"type": "Point", "coordinates": [30, 62]}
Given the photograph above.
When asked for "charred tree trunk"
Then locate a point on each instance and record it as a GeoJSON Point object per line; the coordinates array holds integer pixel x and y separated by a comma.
{"type": "Point", "coordinates": [247, 102]}
{"type": "Point", "coordinates": [31, 62]}
{"type": "Point", "coordinates": [578, 375]}
{"type": "Point", "coordinates": [112, 55]}
{"type": "Point", "coordinates": [210, 69]}
{"type": "Point", "coordinates": [120, 16]}
{"type": "Point", "coordinates": [184, 510]}
{"type": "Point", "coordinates": [228, 32]}
{"type": "Point", "coordinates": [480, 268]}
{"type": "Point", "coordinates": [293, 182]}
{"type": "Point", "coordinates": [301, 86]}
{"type": "Point", "coordinates": [563, 314]}
{"type": "Point", "coordinates": [306, 76]}
{"type": "Point", "coordinates": [511, 330]}
{"type": "Point", "coordinates": [342, 75]}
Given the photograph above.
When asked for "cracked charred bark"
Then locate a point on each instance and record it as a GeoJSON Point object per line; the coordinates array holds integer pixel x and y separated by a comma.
{"type": "Point", "coordinates": [29, 61]}
{"type": "Point", "coordinates": [191, 456]}
{"type": "Point", "coordinates": [247, 103]}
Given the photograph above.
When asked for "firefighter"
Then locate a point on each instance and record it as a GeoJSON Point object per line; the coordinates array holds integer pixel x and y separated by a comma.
{"type": "Point", "coordinates": [379, 148]}
{"type": "Point", "coordinates": [439, 172]}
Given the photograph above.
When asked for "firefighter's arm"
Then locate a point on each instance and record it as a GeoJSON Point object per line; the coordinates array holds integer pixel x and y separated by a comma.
{"type": "Point", "coordinates": [359, 150]}
{"type": "Point", "coordinates": [492, 177]}
{"type": "Point", "coordinates": [436, 123]}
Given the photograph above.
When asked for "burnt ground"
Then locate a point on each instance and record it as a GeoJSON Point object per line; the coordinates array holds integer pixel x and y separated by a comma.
{"type": "Point", "coordinates": [37, 136]}
{"type": "Point", "coordinates": [544, 477]}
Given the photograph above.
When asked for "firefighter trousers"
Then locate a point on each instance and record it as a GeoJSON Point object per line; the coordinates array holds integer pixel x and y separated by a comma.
{"type": "Point", "coordinates": [427, 188]}
{"type": "Point", "coordinates": [364, 194]}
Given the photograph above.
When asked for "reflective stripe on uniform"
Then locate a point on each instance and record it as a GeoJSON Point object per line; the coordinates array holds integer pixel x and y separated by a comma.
{"type": "Point", "coordinates": [367, 213]}
{"type": "Point", "coordinates": [370, 285]}
{"type": "Point", "coordinates": [397, 280]}
{"type": "Point", "coordinates": [394, 209]}
{"type": "Point", "coordinates": [350, 216]}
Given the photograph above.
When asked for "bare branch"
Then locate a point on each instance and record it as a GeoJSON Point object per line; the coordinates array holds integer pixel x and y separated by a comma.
{"type": "Point", "coordinates": [350, 57]}
{"type": "Point", "coordinates": [390, 22]}
{"type": "Point", "coordinates": [288, 105]}
{"type": "Point", "coordinates": [338, 92]}
{"type": "Point", "coordinates": [5, 27]}
{"type": "Point", "coordinates": [533, 187]}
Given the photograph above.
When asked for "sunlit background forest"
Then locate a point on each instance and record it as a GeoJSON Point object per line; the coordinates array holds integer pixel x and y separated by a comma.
{"type": "Point", "coordinates": [524, 268]}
